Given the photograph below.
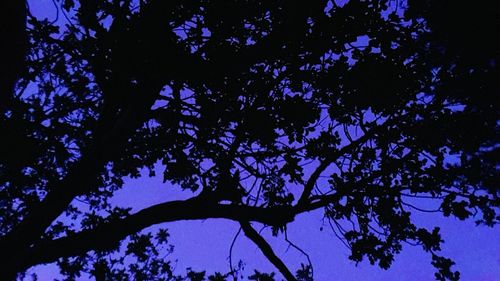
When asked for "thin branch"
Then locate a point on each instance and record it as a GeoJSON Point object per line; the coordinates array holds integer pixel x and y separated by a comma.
{"type": "Point", "coordinates": [266, 249]}
{"type": "Point", "coordinates": [231, 253]}
{"type": "Point", "coordinates": [291, 244]}
{"type": "Point", "coordinates": [329, 159]}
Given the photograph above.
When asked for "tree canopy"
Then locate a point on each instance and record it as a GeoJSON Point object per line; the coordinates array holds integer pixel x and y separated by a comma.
{"type": "Point", "coordinates": [263, 109]}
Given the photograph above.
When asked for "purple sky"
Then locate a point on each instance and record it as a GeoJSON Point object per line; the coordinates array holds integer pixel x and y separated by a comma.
{"type": "Point", "coordinates": [476, 250]}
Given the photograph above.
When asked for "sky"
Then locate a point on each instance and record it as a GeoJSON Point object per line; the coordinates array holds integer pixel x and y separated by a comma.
{"type": "Point", "coordinates": [204, 245]}
{"type": "Point", "coordinates": [476, 250]}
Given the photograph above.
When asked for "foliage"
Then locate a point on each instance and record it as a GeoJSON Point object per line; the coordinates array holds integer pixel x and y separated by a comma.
{"type": "Point", "coordinates": [369, 110]}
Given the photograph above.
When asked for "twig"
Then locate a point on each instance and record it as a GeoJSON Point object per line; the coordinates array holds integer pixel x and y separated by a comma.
{"type": "Point", "coordinates": [231, 253]}
{"type": "Point", "coordinates": [290, 243]}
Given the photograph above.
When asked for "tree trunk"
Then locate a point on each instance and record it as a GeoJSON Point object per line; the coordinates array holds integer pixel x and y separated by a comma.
{"type": "Point", "coordinates": [13, 48]}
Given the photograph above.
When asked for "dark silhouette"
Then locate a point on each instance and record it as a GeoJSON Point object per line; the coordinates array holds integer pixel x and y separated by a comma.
{"type": "Point", "coordinates": [264, 109]}
{"type": "Point", "coordinates": [12, 49]}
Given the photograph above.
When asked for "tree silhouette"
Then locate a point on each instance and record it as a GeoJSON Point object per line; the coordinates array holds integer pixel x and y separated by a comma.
{"type": "Point", "coordinates": [13, 50]}
{"type": "Point", "coordinates": [263, 109]}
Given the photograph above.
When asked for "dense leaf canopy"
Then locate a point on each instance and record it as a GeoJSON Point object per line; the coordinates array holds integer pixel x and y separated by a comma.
{"type": "Point", "coordinates": [264, 110]}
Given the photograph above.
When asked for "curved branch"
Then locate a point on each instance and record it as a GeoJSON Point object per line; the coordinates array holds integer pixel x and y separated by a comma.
{"type": "Point", "coordinates": [231, 253]}
{"type": "Point", "coordinates": [108, 235]}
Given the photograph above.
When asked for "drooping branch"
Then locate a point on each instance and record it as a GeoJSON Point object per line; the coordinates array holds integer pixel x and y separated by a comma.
{"type": "Point", "coordinates": [266, 249]}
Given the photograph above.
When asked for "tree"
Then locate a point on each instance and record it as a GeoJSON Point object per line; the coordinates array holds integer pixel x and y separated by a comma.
{"type": "Point", "coordinates": [13, 50]}
{"type": "Point", "coordinates": [264, 110]}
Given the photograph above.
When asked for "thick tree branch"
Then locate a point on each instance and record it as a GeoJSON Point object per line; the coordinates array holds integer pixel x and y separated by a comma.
{"type": "Point", "coordinates": [266, 249]}
{"type": "Point", "coordinates": [109, 234]}
{"type": "Point", "coordinates": [81, 177]}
